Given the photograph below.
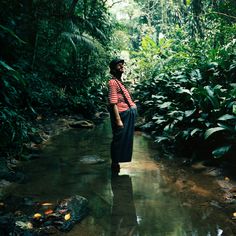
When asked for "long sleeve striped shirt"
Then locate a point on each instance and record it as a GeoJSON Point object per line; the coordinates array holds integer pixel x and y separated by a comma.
{"type": "Point", "coordinates": [116, 95]}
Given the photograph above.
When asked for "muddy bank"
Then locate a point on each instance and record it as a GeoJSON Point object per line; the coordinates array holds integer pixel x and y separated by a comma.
{"type": "Point", "coordinates": [198, 182]}
{"type": "Point", "coordinates": [45, 128]}
{"type": "Point", "coordinates": [220, 172]}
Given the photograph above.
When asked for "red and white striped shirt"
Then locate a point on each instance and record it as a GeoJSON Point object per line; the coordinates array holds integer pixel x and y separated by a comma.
{"type": "Point", "coordinates": [116, 95]}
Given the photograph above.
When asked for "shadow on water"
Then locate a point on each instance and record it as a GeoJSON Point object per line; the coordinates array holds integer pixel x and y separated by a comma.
{"type": "Point", "coordinates": [140, 201]}
{"type": "Point", "coordinates": [123, 214]}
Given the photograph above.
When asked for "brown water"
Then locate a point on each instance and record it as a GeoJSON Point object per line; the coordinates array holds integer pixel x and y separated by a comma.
{"type": "Point", "coordinates": [143, 200]}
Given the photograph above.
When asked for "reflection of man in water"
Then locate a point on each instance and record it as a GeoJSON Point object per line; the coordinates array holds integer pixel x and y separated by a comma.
{"type": "Point", "coordinates": [123, 217]}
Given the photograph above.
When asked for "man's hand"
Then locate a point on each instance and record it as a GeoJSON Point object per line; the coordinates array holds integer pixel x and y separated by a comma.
{"type": "Point", "coordinates": [119, 123]}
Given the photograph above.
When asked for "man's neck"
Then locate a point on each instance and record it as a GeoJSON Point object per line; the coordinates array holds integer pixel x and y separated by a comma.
{"type": "Point", "coordinates": [118, 76]}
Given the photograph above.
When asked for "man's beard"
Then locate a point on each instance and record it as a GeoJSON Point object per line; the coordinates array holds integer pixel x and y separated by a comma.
{"type": "Point", "coordinates": [118, 74]}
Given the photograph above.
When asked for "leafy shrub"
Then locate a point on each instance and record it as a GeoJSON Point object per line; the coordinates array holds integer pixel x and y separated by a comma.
{"type": "Point", "coordinates": [187, 100]}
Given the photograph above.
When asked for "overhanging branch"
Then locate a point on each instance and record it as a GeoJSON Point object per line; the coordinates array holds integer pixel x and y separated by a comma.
{"type": "Point", "coordinates": [220, 13]}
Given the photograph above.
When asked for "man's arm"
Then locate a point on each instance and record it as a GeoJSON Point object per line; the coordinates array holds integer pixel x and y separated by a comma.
{"type": "Point", "coordinates": [117, 116]}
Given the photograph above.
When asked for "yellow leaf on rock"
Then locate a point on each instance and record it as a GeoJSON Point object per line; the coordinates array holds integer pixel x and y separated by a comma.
{"type": "Point", "coordinates": [226, 178]}
{"type": "Point", "coordinates": [46, 204]}
{"type": "Point", "coordinates": [37, 215]}
{"type": "Point", "coordinates": [234, 214]}
{"type": "Point", "coordinates": [67, 216]}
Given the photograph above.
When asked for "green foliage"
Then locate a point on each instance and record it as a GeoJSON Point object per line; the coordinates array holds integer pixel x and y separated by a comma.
{"type": "Point", "coordinates": [13, 128]}
{"type": "Point", "coordinates": [183, 110]}
{"type": "Point", "coordinates": [53, 61]}
{"type": "Point", "coordinates": [187, 89]}
{"type": "Point", "coordinates": [13, 100]}
{"type": "Point", "coordinates": [11, 33]}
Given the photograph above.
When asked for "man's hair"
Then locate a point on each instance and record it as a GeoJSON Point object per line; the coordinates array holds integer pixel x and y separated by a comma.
{"type": "Point", "coordinates": [113, 64]}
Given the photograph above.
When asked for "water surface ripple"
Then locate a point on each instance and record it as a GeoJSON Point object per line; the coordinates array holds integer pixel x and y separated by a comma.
{"type": "Point", "coordinates": [142, 200]}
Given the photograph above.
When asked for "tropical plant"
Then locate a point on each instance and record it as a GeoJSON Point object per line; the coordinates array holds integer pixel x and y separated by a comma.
{"type": "Point", "coordinates": [186, 88]}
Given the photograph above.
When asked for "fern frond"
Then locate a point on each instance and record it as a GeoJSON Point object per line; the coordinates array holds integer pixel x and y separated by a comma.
{"type": "Point", "coordinates": [93, 29]}
{"type": "Point", "coordinates": [12, 33]}
{"type": "Point", "coordinates": [68, 36]}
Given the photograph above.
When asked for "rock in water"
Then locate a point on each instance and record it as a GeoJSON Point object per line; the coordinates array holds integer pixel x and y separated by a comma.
{"type": "Point", "coordinates": [65, 215]}
{"type": "Point", "coordinates": [82, 124]}
{"type": "Point", "coordinates": [91, 159]}
{"type": "Point", "coordinates": [74, 210]}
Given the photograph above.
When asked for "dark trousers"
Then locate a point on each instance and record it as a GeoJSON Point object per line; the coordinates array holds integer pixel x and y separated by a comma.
{"type": "Point", "coordinates": [122, 141]}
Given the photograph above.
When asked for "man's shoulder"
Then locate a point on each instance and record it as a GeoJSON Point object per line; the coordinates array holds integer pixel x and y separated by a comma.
{"type": "Point", "coordinates": [112, 82]}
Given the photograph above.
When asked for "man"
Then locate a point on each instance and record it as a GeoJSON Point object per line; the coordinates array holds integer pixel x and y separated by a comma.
{"type": "Point", "coordinates": [123, 114]}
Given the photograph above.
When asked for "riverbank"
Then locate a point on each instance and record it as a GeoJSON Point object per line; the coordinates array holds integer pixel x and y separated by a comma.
{"type": "Point", "coordinates": [45, 128]}
{"type": "Point", "coordinates": [200, 181]}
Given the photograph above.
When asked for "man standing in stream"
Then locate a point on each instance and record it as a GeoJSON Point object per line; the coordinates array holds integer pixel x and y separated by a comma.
{"type": "Point", "coordinates": [123, 112]}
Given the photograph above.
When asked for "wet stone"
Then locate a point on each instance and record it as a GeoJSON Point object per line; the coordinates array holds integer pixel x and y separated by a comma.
{"type": "Point", "coordinates": [81, 124]}
{"type": "Point", "coordinates": [74, 209]}
{"type": "Point", "coordinates": [91, 159]}
{"type": "Point", "coordinates": [62, 218]}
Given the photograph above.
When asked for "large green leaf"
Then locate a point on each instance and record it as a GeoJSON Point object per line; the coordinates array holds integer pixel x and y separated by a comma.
{"type": "Point", "coordinates": [183, 90]}
{"type": "Point", "coordinates": [234, 108]}
{"type": "Point", "coordinates": [165, 105]}
{"type": "Point", "coordinates": [195, 131]}
{"type": "Point", "coordinates": [227, 117]}
{"type": "Point", "coordinates": [211, 131]}
{"type": "Point", "coordinates": [211, 96]}
{"type": "Point", "coordinates": [160, 139]}
{"type": "Point", "coordinates": [7, 67]}
{"type": "Point", "coordinates": [188, 113]}
{"type": "Point", "coordinates": [230, 128]}
{"type": "Point", "coordinates": [12, 33]}
{"type": "Point", "coordinates": [221, 151]}
{"type": "Point", "coordinates": [12, 73]}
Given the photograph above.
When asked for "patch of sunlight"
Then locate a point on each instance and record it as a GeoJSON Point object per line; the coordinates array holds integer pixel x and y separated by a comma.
{"type": "Point", "coordinates": [140, 165]}
{"type": "Point", "coordinates": [139, 219]}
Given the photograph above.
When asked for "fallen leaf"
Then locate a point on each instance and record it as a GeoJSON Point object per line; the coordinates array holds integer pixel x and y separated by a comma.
{"type": "Point", "coordinates": [67, 216]}
{"type": "Point", "coordinates": [24, 225]}
{"type": "Point", "coordinates": [37, 216]}
{"type": "Point", "coordinates": [227, 179]}
{"type": "Point", "coordinates": [234, 214]}
{"type": "Point", "coordinates": [48, 212]}
{"type": "Point", "coordinates": [46, 204]}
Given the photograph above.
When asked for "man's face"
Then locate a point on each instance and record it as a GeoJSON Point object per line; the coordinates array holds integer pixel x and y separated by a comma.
{"type": "Point", "coordinates": [120, 67]}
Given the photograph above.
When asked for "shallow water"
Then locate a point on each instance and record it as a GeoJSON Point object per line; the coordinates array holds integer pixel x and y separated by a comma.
{"type": "Point", "coordinates": [143, 200]}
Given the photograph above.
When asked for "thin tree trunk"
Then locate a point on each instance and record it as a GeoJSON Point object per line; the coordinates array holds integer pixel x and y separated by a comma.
{"type": "Point", "coordinates": [35, 51]}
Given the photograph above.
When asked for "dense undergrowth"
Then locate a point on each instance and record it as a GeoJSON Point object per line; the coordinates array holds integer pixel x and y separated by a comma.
{"type": "Point", "coordinates": [187, 89]}
{"type": "Point", "coordinates": [52, 63]}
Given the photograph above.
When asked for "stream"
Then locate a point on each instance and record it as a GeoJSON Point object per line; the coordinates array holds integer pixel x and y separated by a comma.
{"type": "Point", "coordinates": [147, 198]}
